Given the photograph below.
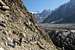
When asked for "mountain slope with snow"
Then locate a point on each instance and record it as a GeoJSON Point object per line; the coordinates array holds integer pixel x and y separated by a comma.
{"type": "Point", "coordinates": [64, 14]}
{"type": "Point", "coordinates": [41, 16]}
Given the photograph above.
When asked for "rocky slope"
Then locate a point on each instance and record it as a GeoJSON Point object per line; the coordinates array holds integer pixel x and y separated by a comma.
{"type": "Point", "coordinates": [64, 39]}
{"type": "Point", "coordinates": [18, 30]}
{"type": "Point", "coordinates": [64, 14]}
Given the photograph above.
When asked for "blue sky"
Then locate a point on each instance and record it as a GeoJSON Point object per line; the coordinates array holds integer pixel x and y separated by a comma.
{"type": "Point", "coordinates": [39, 5]}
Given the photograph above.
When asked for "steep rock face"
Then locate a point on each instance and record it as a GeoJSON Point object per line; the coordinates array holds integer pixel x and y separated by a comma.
{"type": "Point", "coordinates": [18, 30]}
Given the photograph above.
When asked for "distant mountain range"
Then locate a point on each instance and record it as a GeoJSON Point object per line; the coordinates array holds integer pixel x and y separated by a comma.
{"type": "Point", "coordinates": [42, 16]}
{"type": "Point", "coordinates": [64, 14]}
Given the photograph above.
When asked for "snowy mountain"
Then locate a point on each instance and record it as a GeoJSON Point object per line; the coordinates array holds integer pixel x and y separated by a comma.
{"type": "Point", "coordinates": [64, 14]}
{"type": "Point", "coordinates": [41, 16]}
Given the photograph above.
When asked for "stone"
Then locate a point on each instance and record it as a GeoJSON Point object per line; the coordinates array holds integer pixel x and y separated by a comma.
{"type": "Point", "coordinates": [1, 28]}
{"type": "Point", "coordinates": [2, 3]}
{"type": "Point", "coordinates": [3, 25]}
{"type": "Point", "coordinates": [73, 31]}
{"type": "Point", "coordinates": [1, 48]}
{"type": "Point", "coordinates": [5, 7]}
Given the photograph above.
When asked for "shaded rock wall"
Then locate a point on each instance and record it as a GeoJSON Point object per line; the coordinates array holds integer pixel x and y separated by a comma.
{"type": "Point", "coordinates": [64, 39]}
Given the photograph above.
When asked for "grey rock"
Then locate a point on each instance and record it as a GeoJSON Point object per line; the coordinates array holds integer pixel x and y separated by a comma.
{"type": "Point", "coordinates": [66, 41]}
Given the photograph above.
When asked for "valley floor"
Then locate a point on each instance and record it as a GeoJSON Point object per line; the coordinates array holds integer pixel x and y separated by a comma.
{"type": "Point", "coordinates": [57, 26]}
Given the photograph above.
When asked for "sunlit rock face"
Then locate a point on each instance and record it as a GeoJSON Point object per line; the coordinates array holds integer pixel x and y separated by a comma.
{"type": "Point", "coordinates": [18, 30]}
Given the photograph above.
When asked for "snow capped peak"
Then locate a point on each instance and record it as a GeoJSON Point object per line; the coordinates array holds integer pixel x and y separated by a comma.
{"type": "Point", "coordinates": [40, 16]}
{"type": "Point", "coordinates": [34, 12]}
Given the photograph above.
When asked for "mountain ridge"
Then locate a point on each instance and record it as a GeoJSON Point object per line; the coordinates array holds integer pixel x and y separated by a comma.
{"type": "Point", "coordinates": [64, 12]}
{"type": "Point", "coordinates": [42, 15]}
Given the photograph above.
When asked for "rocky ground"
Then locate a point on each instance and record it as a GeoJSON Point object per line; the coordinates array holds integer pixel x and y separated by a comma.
{"type": "Point", "coordinates": [18, 30]}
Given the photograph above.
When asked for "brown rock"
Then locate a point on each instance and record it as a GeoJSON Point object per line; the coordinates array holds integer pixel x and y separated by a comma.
{"type": "Point", "coordinates": [19, 31]}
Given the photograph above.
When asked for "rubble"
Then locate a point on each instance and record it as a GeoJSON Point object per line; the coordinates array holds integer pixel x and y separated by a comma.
{"type": "Point", "coordinates": [4, 8]}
